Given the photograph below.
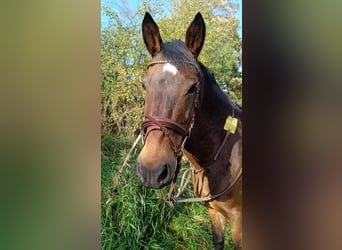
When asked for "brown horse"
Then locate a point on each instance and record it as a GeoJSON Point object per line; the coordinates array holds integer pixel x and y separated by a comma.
{"type": "Point", "coordinates": [184, 107]}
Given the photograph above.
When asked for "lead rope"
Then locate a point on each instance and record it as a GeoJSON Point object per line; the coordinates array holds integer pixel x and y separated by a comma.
{"type": "Point", "coordinates": [185, 181]}
{"type": "Point", "coordinates": [209, 197]}
{"type": "Point", "coordinates": [167, 198]}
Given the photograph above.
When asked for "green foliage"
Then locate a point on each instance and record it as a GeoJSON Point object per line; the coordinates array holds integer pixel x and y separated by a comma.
{"type": "Point", "coordinates": [134, 217]}
{"type": "Point", "coordinates": [122, 64]}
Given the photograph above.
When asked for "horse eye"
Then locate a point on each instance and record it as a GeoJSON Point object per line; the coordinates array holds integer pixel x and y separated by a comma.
{"type": "Point", "coordinates": [192, 89]}
{"type": "Point", "coordinates": [143, 85]}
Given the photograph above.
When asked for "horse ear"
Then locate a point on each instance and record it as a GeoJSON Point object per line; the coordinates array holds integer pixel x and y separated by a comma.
{"type": "Point", "coordinates": [195, 35]}
{"type": "Point", "coordinates": [151, 34]}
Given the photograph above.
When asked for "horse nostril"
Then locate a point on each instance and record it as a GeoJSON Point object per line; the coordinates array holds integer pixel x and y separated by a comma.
{"type": "Point", "coordinates": [164, 173]}
{"type": "Point", "coordinates": [138, 168]}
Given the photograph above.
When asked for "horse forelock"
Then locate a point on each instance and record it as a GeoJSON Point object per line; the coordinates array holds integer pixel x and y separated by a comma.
{"type": "Point", "coordinates": [177, 53]}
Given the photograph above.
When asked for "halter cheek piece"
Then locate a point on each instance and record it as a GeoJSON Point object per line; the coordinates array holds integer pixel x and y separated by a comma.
{"type": "Point", "coordinates": [164, 124]}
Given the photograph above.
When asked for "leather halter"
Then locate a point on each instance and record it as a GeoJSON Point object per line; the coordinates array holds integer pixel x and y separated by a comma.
{"type": "Point", "coordinates": [165, 124]}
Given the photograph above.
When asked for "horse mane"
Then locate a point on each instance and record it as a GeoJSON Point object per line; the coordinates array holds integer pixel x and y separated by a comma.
{"type": "Point", "coordinates": [219, 93]}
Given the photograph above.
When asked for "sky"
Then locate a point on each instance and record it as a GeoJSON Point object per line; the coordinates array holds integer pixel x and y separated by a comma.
{"type": "Point", "coordinates": [134, 3]}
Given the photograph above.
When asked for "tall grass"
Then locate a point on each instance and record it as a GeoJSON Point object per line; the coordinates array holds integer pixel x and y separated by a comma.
{"type": "Point", "coordinates": [134, 217]}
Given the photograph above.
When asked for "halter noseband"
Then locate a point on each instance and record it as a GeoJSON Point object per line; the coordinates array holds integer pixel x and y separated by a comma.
{"type": "Point", "coordinates": [165, 124]}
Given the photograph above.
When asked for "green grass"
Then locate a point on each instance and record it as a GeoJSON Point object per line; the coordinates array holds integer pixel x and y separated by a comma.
{"type": "Point", "coordinates": [134, 217]}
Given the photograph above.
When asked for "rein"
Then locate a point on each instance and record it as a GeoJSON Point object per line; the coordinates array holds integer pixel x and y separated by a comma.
{"type": "Point", "coordinates": [206, 198]}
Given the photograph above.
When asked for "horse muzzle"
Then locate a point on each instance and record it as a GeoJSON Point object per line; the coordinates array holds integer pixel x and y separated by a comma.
{"type": "Point", "coordinates": [157, 177]}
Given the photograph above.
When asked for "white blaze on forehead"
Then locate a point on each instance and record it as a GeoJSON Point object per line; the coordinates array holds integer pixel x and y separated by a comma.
{"type": "Point", "coordinates": [170, 68]}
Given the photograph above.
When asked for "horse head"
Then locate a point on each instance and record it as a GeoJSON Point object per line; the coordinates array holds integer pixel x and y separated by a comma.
{"type": "Point", "coordinates": [171, 85]}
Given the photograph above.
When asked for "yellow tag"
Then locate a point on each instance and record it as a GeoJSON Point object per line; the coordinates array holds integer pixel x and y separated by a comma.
{"type": "Point", "coordinates": [231, 124]}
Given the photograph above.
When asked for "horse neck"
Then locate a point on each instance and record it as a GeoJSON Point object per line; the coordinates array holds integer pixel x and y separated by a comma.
{"type": "Point", "coordinates": [207, 133]}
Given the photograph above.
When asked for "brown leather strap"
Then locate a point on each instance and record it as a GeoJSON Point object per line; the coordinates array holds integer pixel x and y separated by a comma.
{"type": "Point", "coordinates": [160, 123]}
{"type": "Point", "coordinates": [167, 61]}
{"type": "Point", "coordinates": [224, 140]}
{"type": "Point", "coordinates": [209, 197]}
{"type": "Point", "coordinates": [163, 122]}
